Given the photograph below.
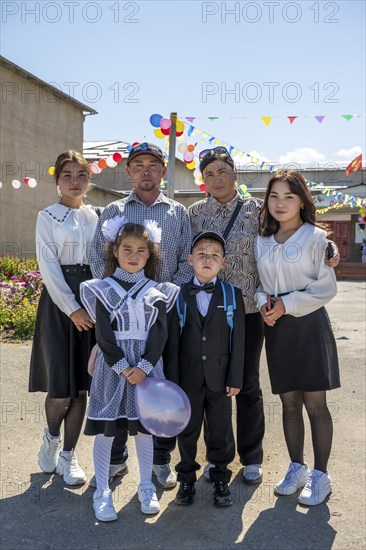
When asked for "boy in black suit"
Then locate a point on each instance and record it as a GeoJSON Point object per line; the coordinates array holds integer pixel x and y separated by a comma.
{"type": "Point", "coordinates": [205, 356]}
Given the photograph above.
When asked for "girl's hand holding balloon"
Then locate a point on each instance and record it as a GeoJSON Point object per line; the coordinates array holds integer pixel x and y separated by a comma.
{"type": "Point", "coordinates": [134, 375]}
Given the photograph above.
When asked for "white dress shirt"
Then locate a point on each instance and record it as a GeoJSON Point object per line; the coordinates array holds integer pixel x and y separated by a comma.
{"type": "Point", "coordinates": [296, 268]}
{"type": "Point", "coordinates": [203, 298]}
{"type": "Point", "coordinates": [63, 237]}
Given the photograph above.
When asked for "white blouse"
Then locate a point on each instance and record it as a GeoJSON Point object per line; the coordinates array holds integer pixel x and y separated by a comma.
{"type": "Point", "coordinates": [296, 268]}
{"type": "Point", "coordinates": [63, 237]}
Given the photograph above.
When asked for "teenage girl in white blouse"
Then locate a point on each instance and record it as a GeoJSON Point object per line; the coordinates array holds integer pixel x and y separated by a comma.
{"type": "Point", "coordinates": [64, 332]}
{"type": "Point", "coordinates": [300, 347]}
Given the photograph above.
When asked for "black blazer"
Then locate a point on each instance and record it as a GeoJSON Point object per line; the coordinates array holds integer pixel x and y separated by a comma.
{"type": "Point", "coordinates": [201, 353]}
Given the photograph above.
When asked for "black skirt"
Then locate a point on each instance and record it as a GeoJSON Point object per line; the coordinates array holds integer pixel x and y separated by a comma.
{"type": "Point", "coordinates": [60, 352]}
{"type": "Point", "coordinates": [110, 428]}
{"type": "Point", "coordinates": [302, 354]}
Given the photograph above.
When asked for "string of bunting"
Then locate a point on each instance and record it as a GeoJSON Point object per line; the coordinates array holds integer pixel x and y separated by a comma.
{"type": "Point", "coordinates": [268, 119]}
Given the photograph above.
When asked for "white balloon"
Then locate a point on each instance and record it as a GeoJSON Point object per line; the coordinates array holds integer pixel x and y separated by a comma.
{"type": "Point", "coordinates": [197, 173]}
{"type": "Point", "coordinates": [111, 163]}
{"type": "Point", "coordinates": [32, 183]}
{"type": "Point", "coordinates": [182, 138]}
{"type": "Point", "coordinates": [1, 184]}
{"type": "Point", "coordinates": [16, 184]}
{"type": "Point", "coordinates": [182, 147]}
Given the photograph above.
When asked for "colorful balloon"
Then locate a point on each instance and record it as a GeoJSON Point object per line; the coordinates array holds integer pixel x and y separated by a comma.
{"type": "Point", "coordinates": [165, 132]}
{"type": "Point", "coordinates": [203, 187]}
{"type": "Point", "coordinates": [16, 184]}
{"type": "Point", "coordinates": [180, 126]}
{"type": "Point", "coordinates": [191, 165]}
{"type": "Point", "coordinates": [102, 163]}
{"type": "Point", "coordinates": [188, 157]}
{"type": "Point", "coordinates": [178, 134]}
{"type": "Point", "coordinates": [155, 120]}
{"type": "Point", "coordinates": [165, 123]}
{"type": "Point", "coordinates": [158, 133]}
{"type": "Point", "coordinates": [26, 180]}
{"type": "Point", "coordinates": [51, 170]}
{"type": "Point", "coordinates": [163, 407]}
{"type": "Point", "coordinates": [191, 147]}
{"type": "Point", "coordinates": [117, 157]}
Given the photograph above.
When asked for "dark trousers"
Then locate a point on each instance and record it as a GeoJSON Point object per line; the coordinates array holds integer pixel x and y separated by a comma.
{"type": "Point", "coordinates": [249, 402]}
{"type": "Point", "coordinates": [215, 408]}
{"type": "Point", "coordinates": [249, 407]}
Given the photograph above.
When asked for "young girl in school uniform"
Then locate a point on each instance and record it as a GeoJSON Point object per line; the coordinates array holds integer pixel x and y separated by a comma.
{"type": "Point", "coordinates": [129, 309]}
{"type": "Point", "coordinates": [300, 346]}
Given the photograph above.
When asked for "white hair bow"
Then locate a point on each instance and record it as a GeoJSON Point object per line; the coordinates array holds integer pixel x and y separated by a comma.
{"type": "Point", "coordinates": [113, 227]}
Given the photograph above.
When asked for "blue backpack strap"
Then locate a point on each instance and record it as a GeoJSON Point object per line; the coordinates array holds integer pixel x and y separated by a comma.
{"type": "Point", "coordinates": [182, 310]}
{"type": "Point", "coordinates": [229, 305]}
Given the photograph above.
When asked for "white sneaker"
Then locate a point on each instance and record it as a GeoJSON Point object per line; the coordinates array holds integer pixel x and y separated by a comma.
{"type": "Point", "coordinates": [115, 470]}
{"type": "Point", "coordinates": [206, 471]}
{"type": "Point", "coordinates": [295, 478]}
{"type": "Point", "coordinates": [316, 489]}
{"type": "Point", "coordinates": [165, 476]}
{"type": "Point", "coordinates": [253, 474]}
{"type": "Point", "coordinates": [149, 500]}
{"type": "Point", "coordinates": [68, 467]}
{"type": "Point", "coordinates": [103, 506]}
{"type": "Point", "coordinates": [49, 453]}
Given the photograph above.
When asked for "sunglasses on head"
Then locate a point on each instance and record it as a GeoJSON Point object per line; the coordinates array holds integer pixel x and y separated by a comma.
{"type": "Point", "coordinates": [216, 151]}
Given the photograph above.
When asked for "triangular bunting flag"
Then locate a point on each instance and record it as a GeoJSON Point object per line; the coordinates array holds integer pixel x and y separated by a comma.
{"type": "Point", "coordinates": [190, 118]}
{"type": "Point", "coordinates": [347, 117]}
{"type": "Point", "coordinates": [211, 140]}
{"type": "Point", "coordinates": [190, 130]}
{"type": "Point", "coordinates": [320, 118]}
{"type": "Point", "coordinates": [212, 117]}
{"type": "Point", "coordinates": [355, 165]}
{"type": "Point", "coordinates": [292, 119]}
{"type": "Point", "coordinates": [266, 120]}
{"type": "Point", "coordinates": [231, 149]}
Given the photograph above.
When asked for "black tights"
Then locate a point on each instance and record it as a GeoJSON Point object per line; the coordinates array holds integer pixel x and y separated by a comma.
{"type": "Point", "coordinates": [320, 423]}
{"type": "Point", "coordinates": [72, 411]}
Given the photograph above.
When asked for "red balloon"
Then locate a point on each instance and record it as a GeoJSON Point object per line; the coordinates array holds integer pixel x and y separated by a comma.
{"type": "Point", "coordinates": [203, 187]}
{"type": "Point", "coordinates": [135, 143]}
{"type": "Point", "coordinates": [26, 180]}
{"type": "Point", "coordinates": [179, 133]}
{"type": "Point", "coordinates": [117, 157]}
{"type": "Point", "coordinates": [165, 132]}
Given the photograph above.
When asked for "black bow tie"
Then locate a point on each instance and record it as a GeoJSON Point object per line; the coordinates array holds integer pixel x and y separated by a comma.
{"type": "Point", "coordinates": [194, 289]}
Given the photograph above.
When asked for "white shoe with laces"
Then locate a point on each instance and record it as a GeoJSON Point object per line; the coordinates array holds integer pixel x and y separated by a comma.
{"type": "Point", "coordinates": [103, 506]}
{"type": "Point", "coordinates": [148, 499]}
{"type": "Point", "coordinates": [316, 489]}
{"type": "Point", "coordinates": [49, 453]}
{"type": "Point", "coordinates": [68, 467]}
{"type": "Point", "coordinates": [295, 479]}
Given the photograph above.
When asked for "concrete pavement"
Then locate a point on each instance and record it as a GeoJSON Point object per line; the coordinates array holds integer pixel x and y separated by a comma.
{"type": "Point", "coordinates": [39, 512]}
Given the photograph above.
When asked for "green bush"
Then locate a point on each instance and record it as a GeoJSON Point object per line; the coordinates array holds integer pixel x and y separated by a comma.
{"type": "Point", "coordinates": [20, 289]}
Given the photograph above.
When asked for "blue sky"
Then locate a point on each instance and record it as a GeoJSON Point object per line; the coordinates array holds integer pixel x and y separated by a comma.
{"type": "Point", "coordinates": [128, 60]}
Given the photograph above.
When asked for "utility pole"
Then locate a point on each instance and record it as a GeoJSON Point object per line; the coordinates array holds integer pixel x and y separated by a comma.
{"type": "Point", "coordinates": [171, 164]}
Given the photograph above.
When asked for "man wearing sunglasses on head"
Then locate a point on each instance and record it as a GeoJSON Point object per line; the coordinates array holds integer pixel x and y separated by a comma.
{"type": "Point", "coordinates": [237, 219]}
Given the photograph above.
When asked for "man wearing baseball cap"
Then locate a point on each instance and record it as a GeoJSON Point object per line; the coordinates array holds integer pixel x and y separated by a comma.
{"type": "Point", "coordinates": [146, 168]}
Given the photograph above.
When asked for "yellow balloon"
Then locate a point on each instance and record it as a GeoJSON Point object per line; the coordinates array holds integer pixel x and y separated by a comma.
{"type": "Point", "coordinates": [243, 188]}
{"type": "Point", "coordinates": [51, 170]}
{"type": "Point", "coordinates": [159, 134]}
{"type": "Point", "coordinates": [180, 126]}
{"type": "Point", "coordinates": [191, 165]}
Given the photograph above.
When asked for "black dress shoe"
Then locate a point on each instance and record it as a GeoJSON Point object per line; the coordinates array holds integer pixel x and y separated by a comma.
{"type": "Point", "coordinates": [185, 495]}
{"type": "Point", "coordinates": [222, 496]}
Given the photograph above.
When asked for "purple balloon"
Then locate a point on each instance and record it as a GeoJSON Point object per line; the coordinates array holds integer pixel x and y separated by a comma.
{"type": "Point", "coordinates": [163, 407]}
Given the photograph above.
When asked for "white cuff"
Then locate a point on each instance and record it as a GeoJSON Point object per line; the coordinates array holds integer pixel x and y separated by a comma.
{"type": "Point", "coordinates": [120, 366]}
{"type": "Point", "coordinates": [145, 366]}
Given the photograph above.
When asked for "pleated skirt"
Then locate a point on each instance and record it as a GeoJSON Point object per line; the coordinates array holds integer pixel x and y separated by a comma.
{"type": "Point", "coordinates": [302, 353]}
{"type": "Point", "coordinates": [60, 352]}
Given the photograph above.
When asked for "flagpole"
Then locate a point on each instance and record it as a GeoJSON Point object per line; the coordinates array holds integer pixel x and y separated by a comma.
{"type": "Point", "coordinates": [171, 163]}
